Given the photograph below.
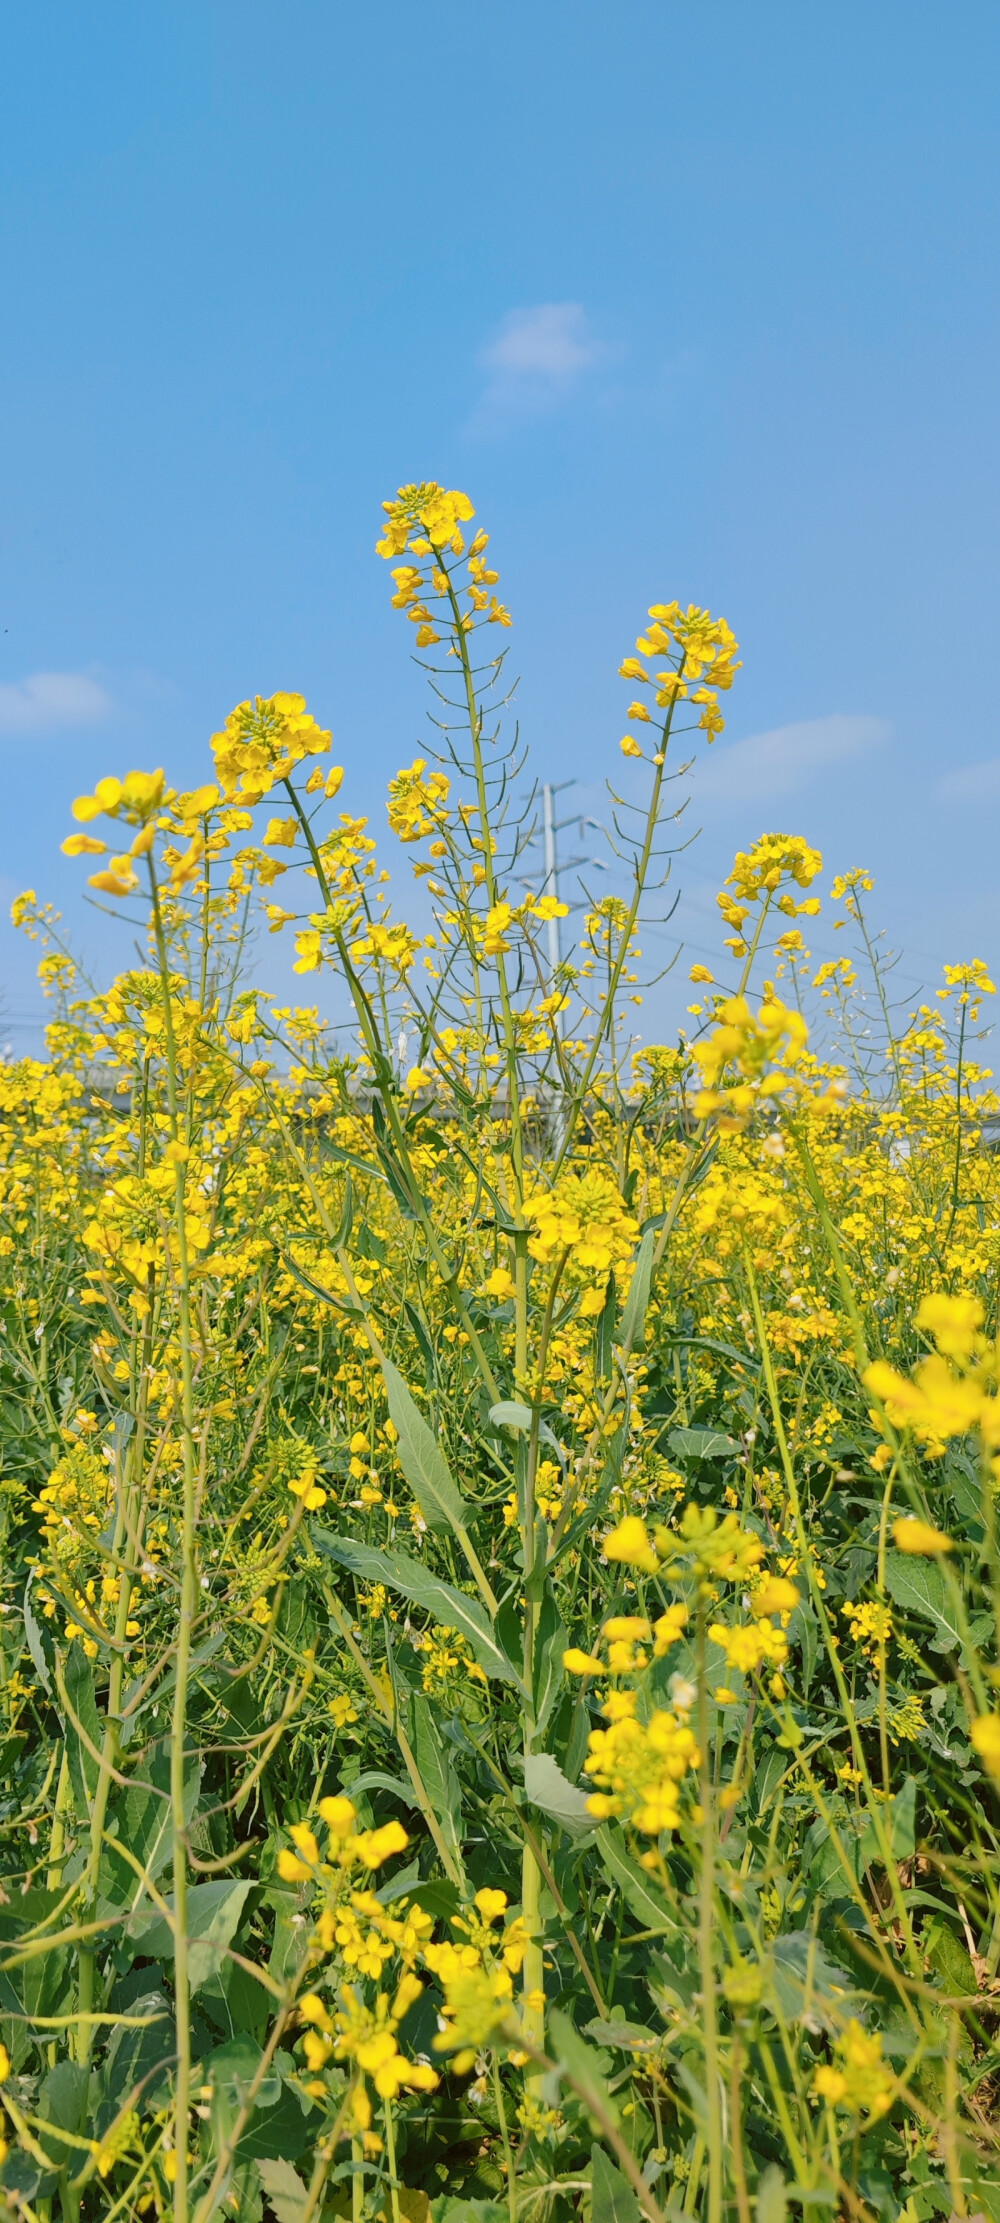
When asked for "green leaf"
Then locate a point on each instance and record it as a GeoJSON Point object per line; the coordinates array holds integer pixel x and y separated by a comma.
{"type": "Point", "coordinates": [439, 1775]}
{"type": "Point", "coordinates": [612, 2199]}
{"type": "Point", "coordinates": [83, 1767]}
{"type": "Point", "coordinates": [375, 1779]}
{"type": "Point", "coordinates": [510, 1413]}
{"type": "Point", "coordinates": [632, 1882]}
{"type": "Point", "coordinates": [920, 1586]}
{"type": "Point", "coordinates": [701, 1443]}
{"type": "Point", "coordinates": [901, 1817]}
{"type": "Point", "coordinates": [546, 1786]}
{"type": "Point", "coordinates": [421, 1457]}
{"type": "Point", "coordinates": [633, 1329]}
{"type": "Point", "coordinates": [808, 1986]}
{"type": "Point", "coordinates": [604, 1333]}
{"type": "Point", "coordinates": [771, 2196]}
{"type": "Point", "coordinates": [425, 1345]}
{"type": "Point", "coordinates": [133, 2054]}
{"type": "Point", "coordinates": [629, 2037]}
{"type": "Point", "coordinates": [213, 1917]}
{"type": "Point", "coordinates": [549, 1676]}
{"type": "Point", "coordinates": [397, 1571]}
{"type": "Point", "coordinates": [285, 2190]}
{"type": "Point", "coordinates": [583, 2067]}
{"type": "Point", "coordinates": [62, 2104]}
{"type": "Point", "coordinates": [803, 1630]}
{"type": "Point", "coordinates": [145, 1825]}
{"type": "Point", "coordinates": [34, 1639]}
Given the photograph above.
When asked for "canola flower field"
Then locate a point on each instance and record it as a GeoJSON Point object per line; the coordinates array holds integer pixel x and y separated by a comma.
{"type": "Point", "coordinates": [501, 1600]}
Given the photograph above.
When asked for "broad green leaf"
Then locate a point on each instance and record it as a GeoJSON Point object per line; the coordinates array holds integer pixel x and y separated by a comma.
{"type": "Point", "coordinates": [510, 1413]}
{"type": "Point", "coordinates": [919, 1586]}
{"type": "Point", "coordinates": [808, 1986]}
{"type": "Point", "coordinates": [83, 1767]}
{"type": "Point", "coordinates": [632, 1882]}
{"type": "Point", "coordinates": [375, 1779]}
{"type": "Point", "coordinates": [286, 2193]}
{"type": "Point", "coordinates": [582, 2067]}
{"type": "Point", "coordinates": [612, 2199]}
{"type": "Point", "coordinates": [397, 1571]}
{"type": "Point", "coordinates": [701, 1443]}
{"type": "Point", "coordinates": [421, 1457]}
{"type": "Point", "coordinates": [899, 1818]}
{"type": "Point", "coordinates": [546, 1786]}
{"type": "Point", "coordinates": [452, 2208]}
{"type": "Point", "coordinates": [145, 1825]}
{"type": "Point", "coordinates": [62, 2103]}
{"type": "Point", "coordinates": [633, 1328]}
{"type": "Point", "coordinates": [213, 1916]}
{"type": "Point", "coordinates": [439, 1775]}
{"type": "Point", "coordinates": [132, 2054]}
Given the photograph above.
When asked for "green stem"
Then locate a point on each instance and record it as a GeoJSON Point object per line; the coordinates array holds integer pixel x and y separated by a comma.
{"type": "Point", "coordinates": [706, 1941]}
{"type": "Point", "coordinates": [188, 1602]}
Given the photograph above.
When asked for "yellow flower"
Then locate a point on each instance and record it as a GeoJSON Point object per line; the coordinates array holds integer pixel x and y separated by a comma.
{"type": "Point", "coordinates": [747, 1647]}
{"type": "Point", "coordinates": [491, 1904]}
{"type": "Point", "coordinates": [629, 746]}
{"type": "Point", "coordinates": [306, 1486]}
{"type": "Point", "coordinates": [860, 2079]}
{"type": "Point", "coordinates": [954, 1323]}
{"type": "Point", "coordinates": [985, 1735]}
{"type": "Point", "coordinates": [774, 1595]}
{"type": "Point", "coordinates": [338, 1814]}
{"type": "Point", "coordinates": [640, 1769]}
{"type": "Point", "coordinates": [919, 1537]}
{"type": "Point", "coordinates": [630, 1544]}
{"type": "Point", "coordinates": [118, 880]}
{"type": "Point", "coordinates": [581, 1663]}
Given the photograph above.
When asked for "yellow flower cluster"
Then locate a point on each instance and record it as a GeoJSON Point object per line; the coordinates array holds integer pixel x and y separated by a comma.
{"type": "Point", "coordinates": [692, 644]}
{"type": "Point", "coordinates": [416, 805]}
{"type": "Point", "coordinates": [639, 1767]}
{"type": "Point", "coordinates": [262, 742]}
{"type": "Point", "coordinates": [722, 1551]}
{"type": "Point", "coordinates": [583, 1217]}
{"type": "Point", "coordinates": [951, 1393]}
{"type": "Point", "coordinates": [426, 521]}
{"type": "Point", "coordinates": [773, 1036]}
{"type": "Point", "coordinates": [859, 2078]}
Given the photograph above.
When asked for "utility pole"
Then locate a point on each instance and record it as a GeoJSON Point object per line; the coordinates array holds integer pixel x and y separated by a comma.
{"type": "Point", "coordinates": [552, 867]}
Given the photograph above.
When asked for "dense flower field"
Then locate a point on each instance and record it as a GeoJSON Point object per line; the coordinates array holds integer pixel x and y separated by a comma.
{"type": "Point", "coordinates": [500, 1578]}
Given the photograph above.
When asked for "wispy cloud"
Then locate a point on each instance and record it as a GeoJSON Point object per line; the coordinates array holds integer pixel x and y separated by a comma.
{"type": "Point", "coordinates": [769, 765]}
{"type": "Point", "coordinates": [533, 361]}
{"type": "Point", "coordinates": [49, 700]}
{"type": "Point", "coordinates": [973, 783]}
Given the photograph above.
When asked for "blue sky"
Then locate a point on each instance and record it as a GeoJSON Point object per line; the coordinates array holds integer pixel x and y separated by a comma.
{"type": "Point", "coordinates": [693, 302]}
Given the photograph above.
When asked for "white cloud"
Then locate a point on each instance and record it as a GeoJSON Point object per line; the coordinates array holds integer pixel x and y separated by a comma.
{"type": "Point", "coordinates": [49, 700]}
{"type": "Point", "coordinates": [769, 765]}
{"type": "Point", "coordinates": [533, 360]}
{"type": "Point", "coordinates": [973, 783]}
